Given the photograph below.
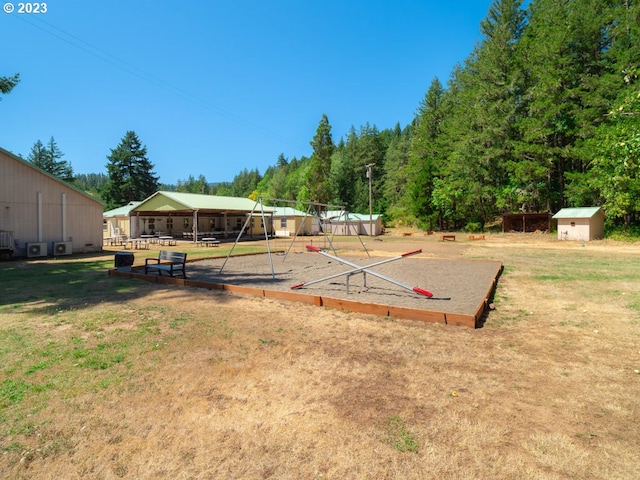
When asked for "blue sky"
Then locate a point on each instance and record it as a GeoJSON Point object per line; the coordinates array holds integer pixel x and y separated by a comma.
{"type": "Point", "coordinates": [213, 87]}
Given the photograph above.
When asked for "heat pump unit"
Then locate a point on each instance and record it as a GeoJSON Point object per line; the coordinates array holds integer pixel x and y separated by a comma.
{"type": "Point", "coordinates": [36, 249]}
{"type": "Point", "coordinates": [62, 248]}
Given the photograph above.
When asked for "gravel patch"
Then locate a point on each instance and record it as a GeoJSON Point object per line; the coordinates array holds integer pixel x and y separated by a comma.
{"type": "Point", "coordinates": [458, 286]}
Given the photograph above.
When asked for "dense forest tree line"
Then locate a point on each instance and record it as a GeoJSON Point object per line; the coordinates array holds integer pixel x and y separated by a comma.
{"type": "Point", "coordinates": [543, 113]}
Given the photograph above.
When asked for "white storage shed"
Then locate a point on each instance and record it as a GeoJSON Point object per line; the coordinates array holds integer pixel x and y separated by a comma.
{"type": "Point", "coordinates": [583, 223]}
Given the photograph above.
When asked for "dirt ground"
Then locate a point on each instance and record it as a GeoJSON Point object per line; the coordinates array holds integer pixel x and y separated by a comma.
{"type": "Point", "coordinates": [228, 386]}
{"type": "Point", "coordinates": [457, 285]}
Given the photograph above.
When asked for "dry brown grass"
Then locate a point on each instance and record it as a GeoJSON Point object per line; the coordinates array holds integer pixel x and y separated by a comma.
{"type": "Point", "coordinates": [222, 386]}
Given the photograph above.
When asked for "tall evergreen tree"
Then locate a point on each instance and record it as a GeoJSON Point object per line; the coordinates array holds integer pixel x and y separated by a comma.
{"type": "Point", "coordinates": [245, 183]}
{"type": "Point", "coordinates": [131, 176]}
{"type": "Point", "coordinates": [615, 173]}
{"type": "Point", "coordinates": [38, 156]}
{"type": "Point", "coordinates": [8, 83]}
{"type": "Point", "coordinates": [487, 104]}
{"type": "Point", "coordinates": [396, 175]}
{"type": "Point", "coordinates": [318, 176]}
{"type": "Point", "coordinates": [565, 47]}
{"type": "Point", "coordinates": [91, 183]}
{"type": "Point", "coordinates": [426, 157]}
{"type": "Point", "coordinates": [194, 185]}
{"type": "Point", "coordinates": [49, 159]}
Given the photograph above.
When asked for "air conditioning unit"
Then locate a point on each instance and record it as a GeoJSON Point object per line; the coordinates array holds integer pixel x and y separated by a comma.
{"type": "Point", "coordinates": [61, 248]}
{"type": "Point", "coordinates": [36, 250]}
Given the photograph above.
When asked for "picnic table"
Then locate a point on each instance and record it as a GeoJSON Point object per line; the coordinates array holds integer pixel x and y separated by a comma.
{"type": "Point", "coordinates": [149, 238]}
{"type": "Point", "coordinates": [117, 240]}
{"type": "Point", "coordinates": [209, 242]}
{"type": "Point", "coordinates": [137, 243]}
{"type": "Point", "coordinates": [166, 239]}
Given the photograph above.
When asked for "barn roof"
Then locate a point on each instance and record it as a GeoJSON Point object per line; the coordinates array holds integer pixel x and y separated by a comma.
{"type": "Point", "coordinates": [43, 172]}
{"type": "Point", "coordinates": [580, 212]}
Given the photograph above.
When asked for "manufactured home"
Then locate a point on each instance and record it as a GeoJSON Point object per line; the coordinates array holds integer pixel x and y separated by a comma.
{"type": "Point", "coordinates": [119, 223]}
{"type": "Point", "coordinates": [289, 222]}
{"type": "Point", "coordinates": [343, 223]}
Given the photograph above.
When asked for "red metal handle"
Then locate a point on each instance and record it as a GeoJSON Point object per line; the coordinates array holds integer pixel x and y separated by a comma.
{"type": "Point", "coordinates": [411, 253]}
{"type": "Point", "coordinates": [297, 286]}
{"type": "Point", "coordinates": [311, 247]}
{"type": "Point", "coordinates": [422, 292]}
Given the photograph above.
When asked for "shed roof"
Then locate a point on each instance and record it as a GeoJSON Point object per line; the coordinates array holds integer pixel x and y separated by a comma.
{"type": "Point", "coordinates": [580, 212]}
{"type": "Point", "coordinates": [123, 211]}
{"type": "Point", "coordinates": [289, 212]}
{"type": "Point", "coordinates": [356, 217]}
{"type": "Point", "coordinates": [166, 202]}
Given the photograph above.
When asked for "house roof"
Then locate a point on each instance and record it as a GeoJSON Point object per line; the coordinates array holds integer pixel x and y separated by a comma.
{"type": "Point", "coordinates": [355, 217]}
{"type": "Point", "coordinates": [289, 212]}
{"type": "Point", "coordinates": [121, 211]}
{"type": "Point", "coordinates": [581, 212]}
{"type": "Point", "coordinates": [166, 202]}
{"type": "Point", "coordinates": [53, 177]}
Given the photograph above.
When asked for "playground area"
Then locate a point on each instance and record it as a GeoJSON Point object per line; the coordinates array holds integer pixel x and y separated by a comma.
{"type": "Point", "coordinates": [413, 279]}
{"type": "Point", "coordinates": [457, 286]}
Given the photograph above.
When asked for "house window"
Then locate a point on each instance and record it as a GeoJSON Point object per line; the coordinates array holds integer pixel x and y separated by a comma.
{"type": "Point", "coordinates": [185, 222]}
{"type": "Point", "coordinates": [283, 222]}
{"type": "Point", "coordinates": [238, 223]}
{"type": "Point", "coordinates": [573, 224]}
{"type": "Point", "coordinates": [104, 225]}
{"type": "Point", "coordinates": [169, 223]}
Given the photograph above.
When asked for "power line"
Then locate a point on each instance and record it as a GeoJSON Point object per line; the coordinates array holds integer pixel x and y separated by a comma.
{"type": "Point", "coordinates": [138, 72]}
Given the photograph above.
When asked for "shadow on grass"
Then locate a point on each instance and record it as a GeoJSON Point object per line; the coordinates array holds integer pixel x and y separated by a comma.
{"type": "Point", "coordinates": [72, 283]}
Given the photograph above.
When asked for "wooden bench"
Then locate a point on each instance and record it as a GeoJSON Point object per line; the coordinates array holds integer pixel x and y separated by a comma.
{"type": "Point", "coordinates": [451, 238]}
{"type": "Point", "coordinates": [170, 262]}
{"type": "Point", "coordinates": [476, 237]}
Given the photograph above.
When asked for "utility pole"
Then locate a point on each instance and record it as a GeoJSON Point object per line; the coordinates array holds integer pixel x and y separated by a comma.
{"type": "Point", "coordinates": [370, 177]}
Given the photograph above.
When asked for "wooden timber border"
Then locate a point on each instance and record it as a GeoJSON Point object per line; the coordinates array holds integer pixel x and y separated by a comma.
{"type": "Point", "coordinates": [474, 320]}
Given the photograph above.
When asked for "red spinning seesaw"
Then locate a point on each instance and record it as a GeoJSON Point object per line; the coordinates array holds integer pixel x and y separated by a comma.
{"type": "Point", "coordinates": [364, 270]}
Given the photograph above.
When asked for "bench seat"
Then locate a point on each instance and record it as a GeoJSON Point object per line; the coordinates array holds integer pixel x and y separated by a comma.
{"type": "Point", "coordinates": [171, 262]}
